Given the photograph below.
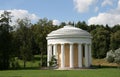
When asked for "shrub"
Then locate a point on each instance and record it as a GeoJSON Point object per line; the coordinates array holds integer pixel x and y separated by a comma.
{"type": "Point", "coordinates": [53, 61]}
{"type": "Point", "coordinates": [114, 56]}
{"type": "Point", "coordinates": [15, 64]}
{"type": "Point", "coordinates": [117, 56]}
{"type": "Point", "coordinates": [110, 56]}
{"type": "Point", "coordinates": [44, 60]}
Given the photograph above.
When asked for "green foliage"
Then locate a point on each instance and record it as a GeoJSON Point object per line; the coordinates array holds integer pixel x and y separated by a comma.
{"type": "Point", "coordinates": [115, 40]}
{"type": "Point", "coordinates": [100, 42]}
{"type": "Point", "coordinates": [82, 25]}
{"type": "Point", "coordinates": [53, 61]}
{"type": "Point", "coordinates": [14, 63]}
{"type": "Point", "coordinates": [5, 41]}
{"type": "Point", "coordinates": [115, 28]}
{"type": "Point", "coordinates": [24, 36]}
{"type": "Point", "coordinates": [40, 31]}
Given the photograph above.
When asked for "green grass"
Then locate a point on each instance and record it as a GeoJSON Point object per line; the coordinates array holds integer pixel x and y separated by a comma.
{"type": "Point", "coordinates": [104, 72]}
{"type": "Point", "coordinates": [29, 64]}
{"type": "Point", "coordinates": [33, 70]}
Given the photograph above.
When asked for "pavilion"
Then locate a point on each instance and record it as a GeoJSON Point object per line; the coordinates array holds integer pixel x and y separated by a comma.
{"type": "Point", "coordinates": [71, 47]}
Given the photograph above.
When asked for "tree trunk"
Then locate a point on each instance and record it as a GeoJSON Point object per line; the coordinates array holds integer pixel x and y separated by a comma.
{"type": "Point", "coordinates": [24, 63]}
{"type": "Point", "coordinates": [41, 59]}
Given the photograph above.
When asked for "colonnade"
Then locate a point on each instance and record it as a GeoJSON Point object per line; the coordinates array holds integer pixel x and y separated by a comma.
{"type": "Point", "coordinates": [52, 50]}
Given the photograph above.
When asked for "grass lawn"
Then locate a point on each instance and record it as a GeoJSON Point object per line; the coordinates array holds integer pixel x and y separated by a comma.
{"type": "Point", "coordinates": [33, 70]}
{"type": "Point", "coordinates": [103, 72]}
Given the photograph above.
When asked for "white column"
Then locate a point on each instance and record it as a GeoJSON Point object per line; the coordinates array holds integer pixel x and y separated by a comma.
{"type": "Point", "coordinates": [86, 56]}
{"type": "Point", "coordinates": [55, 50]}
{"type": "Point", "coordinates": [71, 56]}
{"type": "Point", "coordinates": [62, 56]}
{"type": "Point", "coordinates": [80, 55]}
{"type": "Point", "coordinates": [90, 55]}
{"type": "Point", "coordinates": [49, 53]}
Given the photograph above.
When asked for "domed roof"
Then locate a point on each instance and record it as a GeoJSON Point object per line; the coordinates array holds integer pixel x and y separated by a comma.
{"type": "Point", "coordinates": [69, 31]}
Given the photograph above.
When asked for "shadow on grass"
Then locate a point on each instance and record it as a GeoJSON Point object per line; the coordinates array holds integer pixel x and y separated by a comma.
{"type": "Point", "coordinates": [102, 66]}
{"type": "Point", "coordinates": [46, 68]}
{"type": "Point", "coordinates": [26, 68]}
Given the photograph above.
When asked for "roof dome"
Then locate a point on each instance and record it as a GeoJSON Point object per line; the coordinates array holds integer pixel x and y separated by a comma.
{"type": "Point", "coordinates": [69, 31]}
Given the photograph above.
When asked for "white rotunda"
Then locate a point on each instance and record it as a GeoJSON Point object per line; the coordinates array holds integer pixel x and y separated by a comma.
{"type": "Point", "coordinates": [71, 47]}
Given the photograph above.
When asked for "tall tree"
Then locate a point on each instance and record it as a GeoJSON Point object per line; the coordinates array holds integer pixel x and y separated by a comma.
{"type": "Point", "coordinates": [100, 42]}
{"type": "Point", "coordinates": [115, 28]}
{"type": "Point", "coordinates": [115, 40]}
{"type": "Point", "coordinates": [62, 24]}
{"type": "Point", "coordinates": [82, 25]}
{"type": "Point", "coordinates": [40, 30]}
{"type": "Point", "coordinates": [91, 27]}
{"type": "Point", "coordinates": [5, 40]}
{"type": "Point", "coordinates": [24, 37]}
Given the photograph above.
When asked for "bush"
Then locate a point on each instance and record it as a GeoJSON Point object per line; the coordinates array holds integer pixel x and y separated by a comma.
{"type": "Point", "coordinates": [110, 56]}
{"type": "Point", "coordinates": [117, 56]}
{"type": "Point", "coordinates": [15, 64]}
{"type": "Point", "coordinates": [114, 56]}
{"type": "Point", "coordinates": [44, 60]}
{"type": "Point", "coordinates": [53, 61]}
{"type": "Point", "coordinates": [110, 59]}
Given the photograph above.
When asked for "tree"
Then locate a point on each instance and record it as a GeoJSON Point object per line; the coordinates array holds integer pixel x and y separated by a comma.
{"type": "Point", "coordinates": [62, 24]}
{"type": "Point", "coordinates": [24, 37]}
{"type": "Point", "coordinates": [82, 25]}
{"type": "Point", "coordinates": [40, 31]}
{"type": "Point", "coordinates": [100, 42]}
{"type": "Point", "coordinates": [108, 28]}
{"type": "Point", "coordinates": [115, 28]}
{"type": "Point", "coordinates": [115, 40]}
{"type": "Point", "coordinates": [5, 40]}
{"type": "Point", "coordinates": [91, 27]}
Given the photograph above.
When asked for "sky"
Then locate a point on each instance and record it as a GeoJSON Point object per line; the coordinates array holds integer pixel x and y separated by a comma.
{"type": "Point", "coordinates": [91, 11]}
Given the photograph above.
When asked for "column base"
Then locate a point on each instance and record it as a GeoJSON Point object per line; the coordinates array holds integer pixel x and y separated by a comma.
{"type": "Point", "coordinates": [74, 68]}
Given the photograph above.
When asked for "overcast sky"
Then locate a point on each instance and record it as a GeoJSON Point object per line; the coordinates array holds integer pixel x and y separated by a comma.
{"type": "Point", "coordinates": [92, 11]}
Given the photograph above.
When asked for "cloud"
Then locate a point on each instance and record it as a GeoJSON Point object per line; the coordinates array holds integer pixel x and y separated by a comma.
{"type": "Point", "coordinates": [106, 2]}
{"type": "Point", "coordinates": [20, 14]}
{"type": "Point", "coordinates": [105, 18]}
{"type": "Point", "coordinates": [111, 18]}
{"type": "Point", "coordinates": [96, 9]}
{"type": "Point", "coordinates": [56, 22]}
{"type": "Point", "coordinates": [83, 5]}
